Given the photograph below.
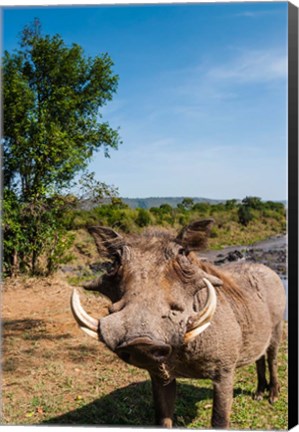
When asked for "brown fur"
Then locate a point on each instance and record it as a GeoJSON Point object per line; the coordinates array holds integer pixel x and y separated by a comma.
{"type": "Point", "coordinates": [158, 285]}
{"type": "Point", "coordinates": [230, 290]}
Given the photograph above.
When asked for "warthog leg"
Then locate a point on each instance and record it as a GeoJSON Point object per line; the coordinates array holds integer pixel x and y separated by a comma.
{"type": "Point", "coordinates": [272, 352]}
{"type": "Point", "coordinates": [222, 400]}
{"type": "Point", "coordinates": [262, 384]}
{"type": "Point", "coordinates": [164, 399]}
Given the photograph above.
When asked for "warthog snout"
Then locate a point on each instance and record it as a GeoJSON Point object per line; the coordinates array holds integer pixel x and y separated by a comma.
{"type": "Point", "coordinates": [143, 350]}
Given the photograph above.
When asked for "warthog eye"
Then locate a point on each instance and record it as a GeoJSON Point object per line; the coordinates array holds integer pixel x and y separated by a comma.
{"type": "Point", "coordinates": [182, 251]}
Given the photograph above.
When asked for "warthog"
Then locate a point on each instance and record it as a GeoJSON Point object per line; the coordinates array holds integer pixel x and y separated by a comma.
{"type": "Point", "coordinates": [177, 316]}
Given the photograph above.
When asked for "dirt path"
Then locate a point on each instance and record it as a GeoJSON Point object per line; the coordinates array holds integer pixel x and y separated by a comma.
{"type": "Point", "coordinates": [47, 359]}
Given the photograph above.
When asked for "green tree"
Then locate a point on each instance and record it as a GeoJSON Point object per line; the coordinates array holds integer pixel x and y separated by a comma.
{"type": "Point", "coordinates": [230, 204]}
{"type": "Point", "coordinates": [202, 207]}
{"type": "Point", "coordinates": [52, 95]}
{"type": "Point", "coordinates": [143, 218]}
{"type": "Point", "coordinates": [244, 215]}
{"type": "Point", "coordinates": [186, 204]}
{"type": "Point", "coordinates": [117, 202]}
{"type": "Point", "coordinates": [275, 205]}
{"type": "Point", "coordinates": [165, 208]}
{"type": "Point", "coordinates": [253, 202]}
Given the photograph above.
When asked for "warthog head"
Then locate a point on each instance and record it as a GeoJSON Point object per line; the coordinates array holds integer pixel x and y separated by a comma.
{"type": "Point", "coordinates": [161, 298]}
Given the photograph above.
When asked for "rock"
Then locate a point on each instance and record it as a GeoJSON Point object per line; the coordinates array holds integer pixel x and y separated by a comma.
{"type": "Point", "coordinates": [234, 256]}
{"type": "Point", "coordinates": [271, 253]}
{"type": "Point", "coordinates": [75, 270]}
{"type": "Point", "coordinates": [229, 257]}
{"type": "Point", "coordinates": [98, 267]}
{"type": "Point", "coordinates": [68, 269]}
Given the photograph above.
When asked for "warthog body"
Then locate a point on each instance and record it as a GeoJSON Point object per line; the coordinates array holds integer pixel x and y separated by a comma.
{"type": "Point", "coordinates": [178, 316]}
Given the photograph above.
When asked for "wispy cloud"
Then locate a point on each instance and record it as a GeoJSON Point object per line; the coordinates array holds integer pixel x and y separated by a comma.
{"type": "Point", "coordinates": [252, 67]}
{"type": "Point", "coordinates": [213, 86]}
{"type": "Point", "coordinates": [257, 14]}
{"type": "Point", "coordinates": [210, 89]}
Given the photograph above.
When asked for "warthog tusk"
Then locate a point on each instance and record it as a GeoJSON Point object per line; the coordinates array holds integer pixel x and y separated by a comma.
{"type": "Point", "coordinates": [202, 320]}
{"type": "Point", "coordinates": [87, 323]}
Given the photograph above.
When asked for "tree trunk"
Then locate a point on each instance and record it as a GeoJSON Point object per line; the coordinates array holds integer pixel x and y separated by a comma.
{"type": "Point", "coordinates": [15, 264]}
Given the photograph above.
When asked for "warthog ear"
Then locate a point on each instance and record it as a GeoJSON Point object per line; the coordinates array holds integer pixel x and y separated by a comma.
{"type": "Point", "coordinates": [108, 241]}
{"type": "Point", "coordinates": [195, 236]}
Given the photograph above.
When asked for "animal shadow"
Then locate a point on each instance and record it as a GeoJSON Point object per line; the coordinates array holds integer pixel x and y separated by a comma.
{"type": "Point", "coordinates": [133, 406]}
{"type": "Point", "coordinates": [30, 329]}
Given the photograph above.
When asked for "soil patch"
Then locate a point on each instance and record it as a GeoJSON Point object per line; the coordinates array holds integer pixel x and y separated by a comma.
{"type": "Point", "coordinates": [49, 366]}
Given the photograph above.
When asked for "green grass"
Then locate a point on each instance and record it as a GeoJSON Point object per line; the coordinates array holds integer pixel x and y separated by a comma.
{"type": "Point", "coordinates": [102, 390]}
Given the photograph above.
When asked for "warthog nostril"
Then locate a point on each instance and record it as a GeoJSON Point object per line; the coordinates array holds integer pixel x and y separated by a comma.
{"type": "Point", "coordinates": [143, 351]}
{"type": "Point", "coordinates": [124, 355]}
{"type": "Point", "coordinates": [160, 353]}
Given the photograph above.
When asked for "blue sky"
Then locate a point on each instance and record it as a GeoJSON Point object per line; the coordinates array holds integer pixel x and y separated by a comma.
{"type": "Point", "coordinates": [202, 96]}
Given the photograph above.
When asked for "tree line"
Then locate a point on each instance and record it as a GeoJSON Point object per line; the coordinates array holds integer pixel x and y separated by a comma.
{"type": "Point", "coordinates": [119, 215]}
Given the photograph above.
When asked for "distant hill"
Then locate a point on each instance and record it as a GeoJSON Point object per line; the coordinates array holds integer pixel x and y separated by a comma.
{"type": "Point", "coordinates": [147, 203]}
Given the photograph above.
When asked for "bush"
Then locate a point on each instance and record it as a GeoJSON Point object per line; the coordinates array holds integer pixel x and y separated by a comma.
{"type": "Point", "coordinates": [245, 215]}
{"type": "Point", "coordinates": [33, 232]}
{"type": "Point", "coordinates": [143, 218]}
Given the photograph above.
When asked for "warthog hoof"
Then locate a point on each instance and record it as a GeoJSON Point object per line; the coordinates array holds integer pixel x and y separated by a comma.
{"type": "Point", "coordinates": [274, 393]}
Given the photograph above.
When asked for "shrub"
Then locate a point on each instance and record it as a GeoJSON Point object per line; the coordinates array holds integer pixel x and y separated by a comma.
{"type": "Point", "coordinates": [244, 214]}
{"type": "Point", "coordinates": [143, 218]}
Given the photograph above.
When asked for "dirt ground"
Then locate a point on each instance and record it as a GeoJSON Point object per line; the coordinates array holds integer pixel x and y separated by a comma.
{"type": "Point", "coordinates": [50, 367]}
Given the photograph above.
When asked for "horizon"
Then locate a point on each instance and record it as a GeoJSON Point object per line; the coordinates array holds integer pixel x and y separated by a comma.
{"type": "Point", "coordinates": [184, 196]}
{"type": "Point", "coordinates": [192, 197]}
{"type": "Point", "coordinates": [202, 95]}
